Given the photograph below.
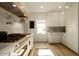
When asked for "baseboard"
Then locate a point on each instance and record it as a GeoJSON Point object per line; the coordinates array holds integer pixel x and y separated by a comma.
{"type": "Point", "coordinates": [54, 43]}
{"type": "Point", "coordinates": [69, 49]}
{"type": "Point", "coordinates": [40, 42]}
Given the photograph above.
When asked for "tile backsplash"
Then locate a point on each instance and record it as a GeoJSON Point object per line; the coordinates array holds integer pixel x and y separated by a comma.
{"type": "Point", "coordinates": [56, 29]}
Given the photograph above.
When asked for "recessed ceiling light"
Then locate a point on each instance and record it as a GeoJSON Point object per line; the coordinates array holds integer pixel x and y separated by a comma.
{"type": "Point", "coordinates": [66, 7]}
{"type": "Point", "coordinates": [41, 7]}
{"type": "Point", "coordinates": [14, 5]}
{"type": "Point", "coordinates": [59, 7]}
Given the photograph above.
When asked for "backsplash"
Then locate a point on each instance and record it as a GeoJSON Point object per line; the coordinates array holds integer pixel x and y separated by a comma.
{"type": "Point", "coordinates": [56, 29]}
{"type": "Point", "coordinates": [4, 18]}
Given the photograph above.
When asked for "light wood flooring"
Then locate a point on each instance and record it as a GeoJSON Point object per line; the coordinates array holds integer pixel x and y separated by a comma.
{"type": "Point", "coordinates": [57, 49]}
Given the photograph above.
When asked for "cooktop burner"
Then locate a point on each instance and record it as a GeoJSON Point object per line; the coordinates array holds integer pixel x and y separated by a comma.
{"type": "Point", "coordinates": [13, 38]}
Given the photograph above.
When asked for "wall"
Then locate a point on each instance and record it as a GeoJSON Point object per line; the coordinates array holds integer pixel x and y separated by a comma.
{"type": "Point", "coordinates": [15, 27]}
{"type": "Point", "coordinates": [51, 20]}
{"type": "Point", "coordinates": [25, 27]}
{"type": "Point", "coordinates": [71, 17]}
{"type": "Point", "coordinates": [35, 17]}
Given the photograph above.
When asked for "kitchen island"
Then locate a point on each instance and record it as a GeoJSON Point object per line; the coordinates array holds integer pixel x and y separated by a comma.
{"type": "Point", "coordinates": [14, 47]}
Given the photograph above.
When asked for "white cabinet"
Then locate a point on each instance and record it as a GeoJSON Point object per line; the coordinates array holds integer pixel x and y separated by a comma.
{"type": "Point", "coordinates": [71, 17]}
{"type": "Point", "coordinates": [24, 46]}
{"type": "Point", "coordinates": [56, 19]}
{"type": "Point", "coordinates": [54, 37]}
{"type": "Point", "coordinates": [61, 19]}
{"type": "Point", "coordinates": [52, 19]}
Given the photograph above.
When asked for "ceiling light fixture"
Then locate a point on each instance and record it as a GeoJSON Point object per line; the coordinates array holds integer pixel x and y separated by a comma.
{"type": "Point", "coordinates": [41, 7]}
{"type": "Point", "coordinates": [59, 7]}
{"type": "Point", "coordinates": [14, 5]}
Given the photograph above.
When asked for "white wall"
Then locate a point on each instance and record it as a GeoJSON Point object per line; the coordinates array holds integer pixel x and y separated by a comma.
{"type": "Point", "coordinates": [71, 17]}
{"type": "Point", "coordinates": [16, 27]}
{"type": "Point", "coordinates": [35, 17]}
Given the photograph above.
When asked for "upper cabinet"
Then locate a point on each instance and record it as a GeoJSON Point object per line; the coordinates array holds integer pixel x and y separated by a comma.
{"type": "Point", "coordinates": [56, 19]}
{"type": "Point", "coordinates": [61, 19]}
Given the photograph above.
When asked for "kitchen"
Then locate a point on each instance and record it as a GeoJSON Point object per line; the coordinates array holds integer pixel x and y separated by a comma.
{"type": "Point", "coordinates": [50, 23]}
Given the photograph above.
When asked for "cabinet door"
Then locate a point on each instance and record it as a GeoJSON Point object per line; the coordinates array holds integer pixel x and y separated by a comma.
{"type": "Point", "coordinates": [61, 19]}
{"type": "Point", "coordinates": [53, 19]}
{"type": "Point", "coordinates": [54, 37]}
{"type": "Point", "coordinates": [56, 19]}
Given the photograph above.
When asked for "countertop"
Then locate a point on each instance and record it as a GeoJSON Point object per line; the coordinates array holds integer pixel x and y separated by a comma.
{"type": "Point", "coordinates": [5, 46]}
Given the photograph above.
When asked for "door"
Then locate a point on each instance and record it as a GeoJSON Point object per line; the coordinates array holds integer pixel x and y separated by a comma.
{"type": "Point", "coordinates": [41, 30]}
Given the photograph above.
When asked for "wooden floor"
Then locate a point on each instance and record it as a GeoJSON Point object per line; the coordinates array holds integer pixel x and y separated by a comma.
{"type": "Point", "coordinates": [57, 49]}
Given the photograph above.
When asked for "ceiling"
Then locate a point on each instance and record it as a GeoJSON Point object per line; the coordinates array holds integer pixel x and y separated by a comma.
{"type": "Point", "coordinates": [15, 10]}
{"type": "Point", "coordinates": [47, 6]}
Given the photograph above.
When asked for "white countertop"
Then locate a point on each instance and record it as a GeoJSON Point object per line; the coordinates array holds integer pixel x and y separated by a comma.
{"type": "Point", "coordinates": [5, 46]}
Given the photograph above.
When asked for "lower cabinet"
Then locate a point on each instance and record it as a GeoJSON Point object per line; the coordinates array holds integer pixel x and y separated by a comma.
{"type": "Point", "coordinates": [54, 37]}
{"type": "Point", "coordinates": [25, 48]}
{"type": "Point", "coordinates": [19, 48]}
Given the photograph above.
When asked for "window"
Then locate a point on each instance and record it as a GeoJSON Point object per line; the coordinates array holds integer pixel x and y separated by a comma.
{"type": "Point", "coordinates": [41, 27]}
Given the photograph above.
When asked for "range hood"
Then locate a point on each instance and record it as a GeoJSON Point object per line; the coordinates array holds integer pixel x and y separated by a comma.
{"type": "Point", "coordinates": [15, 10]}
